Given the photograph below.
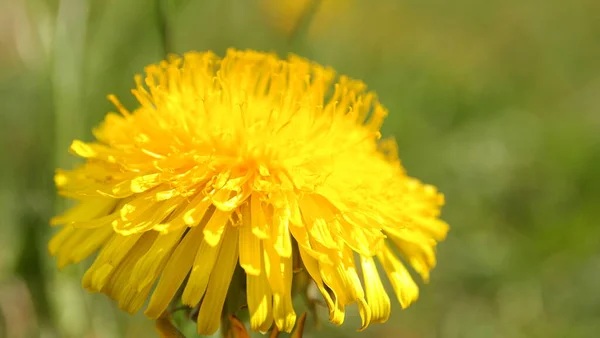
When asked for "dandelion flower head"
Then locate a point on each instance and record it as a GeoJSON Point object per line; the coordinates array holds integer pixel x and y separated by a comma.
{"type": "Point", "coordinates": [247, 162]}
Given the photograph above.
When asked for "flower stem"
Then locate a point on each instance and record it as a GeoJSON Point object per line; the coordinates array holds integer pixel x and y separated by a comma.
{"type": "Point", "coordinates": [162, 21]}
{"type": "Point", "coordinates": [300, 30]}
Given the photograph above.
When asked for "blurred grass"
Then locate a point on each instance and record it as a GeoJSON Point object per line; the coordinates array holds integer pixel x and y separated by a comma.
{"type": "Point", "coordinates": [494, 102]}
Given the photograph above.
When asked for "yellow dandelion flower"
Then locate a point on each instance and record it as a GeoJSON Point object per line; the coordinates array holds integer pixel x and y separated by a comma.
{"type": "Point", "coordinates": [249, 161]}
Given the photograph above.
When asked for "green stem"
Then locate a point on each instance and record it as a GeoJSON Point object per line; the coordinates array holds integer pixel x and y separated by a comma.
{"type": "Point", "coordinates": [164, 32]}
{"type": "Point", "coordinates": [300, 30]}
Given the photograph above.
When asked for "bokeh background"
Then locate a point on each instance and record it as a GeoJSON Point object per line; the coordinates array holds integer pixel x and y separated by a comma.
{"type": "Point", "coordinates": [495, 102]}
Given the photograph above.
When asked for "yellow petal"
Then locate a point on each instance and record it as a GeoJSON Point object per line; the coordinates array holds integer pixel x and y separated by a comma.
{"type": "Point", "coordinates": [215, 227]}
{"type": "Point", "coordinates": [115, 101]}
{"type": "Point", "coordinates": [137, 296]}
{"type": "Point", "coordinates": [377, 298]}
{"type": "Point", "coordinates": [349, 276]}
{"type": "Point", "coordinates": [218, 285]}
{"type": "Point", "coordinates": [195, 212]}
{"type": "Point", "coordinates": [232, 194]}
{"type": "Point", "coordinates": [137, 207]}
{"type": "Point", "coordinates": [146, 270]}
{"type": "Point", "coordinates": [100, 222]}
{"type": "Point", "coordinates": [116, 190]}
{"type": "Point", "coordinates": [59, 238]}
{"type": "Point", "coordinates": [177, 268]}
{"type": "Point", "coordinates": [316, 219]}
{"type": "Point", "coordinates": [361, 240]}
{"type": "Point", "coordinates": [294, 209]}
{"type": "Point", "coordinates": [177, 219]}
{"type": "Point", "coordinates": [82, 244]}
{"type": "Point", "coordinates": [303, 240]}
{"type": "Point", "coordinates": [279, 274]}
{"type": "Point", "coordinates": [404, 286]}
{"type": "Point", "coordinates": [343, 280]}
{"type": "Point", "coordinates": [250, 253]}
{"type": "Point", "coordinates": [201, 271]}
{"type": "Point", "coordinates": [438, 229]}
{"type": "Point", "coordinates": [86, 210]}
{"type": "Point", "coordinates": [281, 233]}
{"type": "Point", "coordinates": [117, 286]}
{"type": "Point", "coordinates": [131, 297]}
{"type": "Point", "coordinates": [312, 266]}
{"type": "Point", "coordinates": [82, 149]}
{"type": "Point", "coordinates": [260, 300]}
{"type": "Point", "coordinates": [143, 214]}
{"type": "Point", "coordinates": [143, 183]}
{"type": "Point", "coordinates": [109, 258]}
{"type": "Point", "coordinates": [258, 219]}
{"type": "Point", "coordinates": [416, 249]}
{"type": "Point", "coordinates": [153, 217]}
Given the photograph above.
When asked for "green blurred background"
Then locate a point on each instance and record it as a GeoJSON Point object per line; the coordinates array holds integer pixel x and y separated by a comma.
{"type": "Point", "coordinates": [495, 102]}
